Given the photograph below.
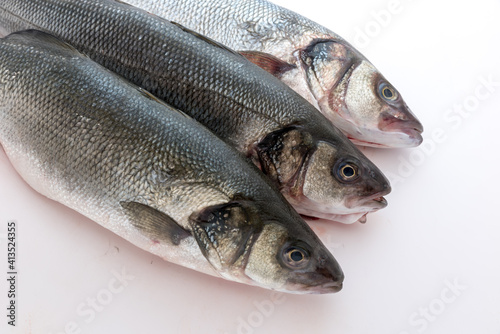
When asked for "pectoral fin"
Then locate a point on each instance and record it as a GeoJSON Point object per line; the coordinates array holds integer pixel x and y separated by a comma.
{"type": "Point", "coordinates": [268, 62]}
{"type": "Point", "coordinates": [156, 225]}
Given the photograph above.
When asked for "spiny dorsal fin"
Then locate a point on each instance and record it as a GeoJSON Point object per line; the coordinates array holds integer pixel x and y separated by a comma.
{"type": "Point", "coordinates": [268, 62]}
{"type": "Point", "coordinates": [156, 225]}
{"type": "Point", "coordinates": [34, 37]}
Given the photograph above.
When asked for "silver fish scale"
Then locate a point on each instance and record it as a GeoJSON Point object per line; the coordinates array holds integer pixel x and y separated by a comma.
{"type": "Point", "coordinates": [201, 79]}
{"type": "Point", "coordinates": [242, 24]}
{"type": "Point", "coordinates": [81, 136]}
{"type": "Point", "coordinates": [266, 31]}
{"type": "Point", "coordinates": [238, 101]}
{"type": "Point", "coordinates": [90, 140]}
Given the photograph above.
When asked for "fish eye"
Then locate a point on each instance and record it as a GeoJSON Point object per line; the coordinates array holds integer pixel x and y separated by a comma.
{"type": "Point", "coordinates": [388, 93]}
{"type": "Point", "coordinates": [295, 257]}
{"type": "Point", "coordinates": [347, 171]}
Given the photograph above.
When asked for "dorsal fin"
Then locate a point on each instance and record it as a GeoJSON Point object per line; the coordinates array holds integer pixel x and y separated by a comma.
{"type": "Point", "coordinates": [34, 37]}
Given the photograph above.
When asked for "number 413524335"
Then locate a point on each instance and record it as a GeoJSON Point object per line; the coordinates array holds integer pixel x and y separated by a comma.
{"type": "Point", "coordinates": [11, 246]}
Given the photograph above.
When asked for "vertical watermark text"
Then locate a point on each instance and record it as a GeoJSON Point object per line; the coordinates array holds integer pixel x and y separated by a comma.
{"type": "Point", "coordinates": [11, 273]}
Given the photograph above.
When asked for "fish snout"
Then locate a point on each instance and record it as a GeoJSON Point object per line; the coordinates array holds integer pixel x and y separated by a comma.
{"type": "Point", "coordinates": [375, 202]}
{"type": "Point", "coordinates": [329, 275]}
{"type": "Point", "coordinates": [373, 198]}
{"type": "Point", "coordinates": [331, 287]}
{"type": "Point", "coordinates": [324, 276]}
{"type": "Point", "coordinates": [403, 121]}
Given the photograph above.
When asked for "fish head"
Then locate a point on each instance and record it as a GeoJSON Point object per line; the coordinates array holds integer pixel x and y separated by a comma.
{"type": "Point", "coordinates": [321, 178]}
{"type": "Point", "coordinates": [295, 262]}
{"type": "Point", "coordinates": [357, 98]}
{"type": "Point", "coordinates": [266, 247]}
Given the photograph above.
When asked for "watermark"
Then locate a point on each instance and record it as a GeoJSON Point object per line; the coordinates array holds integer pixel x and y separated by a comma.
{"type": "Point", "coordinates": [11, 273]}
{"type": "Point", "coordinates": [407, 165]}
{"type": "Point", "coordinates": [380, 20]}
{"type": "Point", "coordinates": [332, 242]}
{"type": "Point", "coordinates": [422, 319]}
{"type": "Point", "coordinates": [263, 310]}
{"type": "Point", "coordinates": [87, 310]}
{"type": "Point", "coordinates": [460, 111]}
{"type": "Point", "coordinates": [329, 239]}
{"type": "Point", "coordinates": [453, 118]}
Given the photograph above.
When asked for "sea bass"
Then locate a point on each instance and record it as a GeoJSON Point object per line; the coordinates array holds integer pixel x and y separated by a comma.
{"type": "Point", "coordinates": [84, 137]}
{"type": "Point", "coordinates": [317, 63]}
{"type": "Point", "coordinates": [320, 172]}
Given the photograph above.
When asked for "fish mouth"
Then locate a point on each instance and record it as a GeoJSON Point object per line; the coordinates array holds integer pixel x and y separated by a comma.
{"type": "Point", "coordinates": [412, 129]}
{"type": "Point", "coordinates": [371, 203]}
{"type": "Point", "coordinates": [324, 280]}
{"type": "Point", "coordinates": [403, 123]}
{"type": "Point", "coordinates": [355, 209]}
{"type": "Point", "coordinates": [330, 287]}
{"type": "Point", "coordinates": [376, 203]}
{"type": "Point", "coordinates": [332, 277]}
{"type": "Point", "coordinates": [365, 207]}
{"type": "Point", "coordinates": [349, 218]}
{"type": "Point", "coordinates": [361, 142]}
{"type": "Point", "coordinates": [399, 134]}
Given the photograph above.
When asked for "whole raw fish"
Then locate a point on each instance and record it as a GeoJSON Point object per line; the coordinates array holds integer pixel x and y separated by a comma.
{"type": "Point", "coordinates": [84, 137]}
{"type": "Point", "coordinates": [317, 63]}
{"type": "Point", "coordinates": [316, 167]}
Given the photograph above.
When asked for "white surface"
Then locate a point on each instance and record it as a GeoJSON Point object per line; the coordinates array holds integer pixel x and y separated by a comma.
{"type": "Point", "coordinates": [440, 226]}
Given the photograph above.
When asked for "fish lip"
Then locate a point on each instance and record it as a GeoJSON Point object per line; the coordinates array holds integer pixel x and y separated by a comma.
{"type": "Point", "coordinates": [403, 121]}
{"type": "Point", "coordinates": [330, 287]}
{"type": "Point", "coordinates": [351, 217]}
{"type": "Point", "coordinates": [396, 133]}
{"type": "Point", "coordinates": [333, 285]}
{"type": "Point", "coordinates": [361, 142]}
{"type": "Point", "coordinates": [341, 218]}
{"type": "Point", "coordinates": [381, 200]}
{"type": "Point", "coordinates": [371, 203]}
{"type": "Point", "coordinates": [353, 206]}
{"type": "Point", "coordinates": [375, 204]}
{"type": "Point", "coordinates": [414, 135]}
{"type": "Point", "coordinates": [379, 196]}
{"type": "Point", "coordinates": [335, 280]}
{"type": "Point", "coordinates": [411, 128]}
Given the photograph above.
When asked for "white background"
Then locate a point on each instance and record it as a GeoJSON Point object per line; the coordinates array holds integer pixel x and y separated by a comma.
{"type": "Point", "coordinates": [441, 227]}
